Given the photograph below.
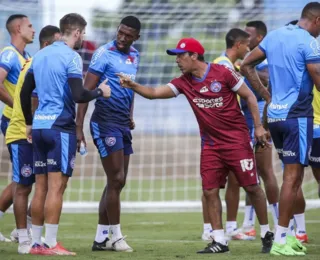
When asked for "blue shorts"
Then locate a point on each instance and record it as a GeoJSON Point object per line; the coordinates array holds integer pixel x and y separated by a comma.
{"type": "Point", "coordinates": [109, 139]}
{"type": "Point", "coordinates": [4, 124]}
{"type": "Point", "coordinates": [53, 151]}
{"type": "Point", "coordinates": [22, 162]}
{"type": "Point", "coordinates": [292, 138]}
{"type": "Point", "coordinates": [314, 158]}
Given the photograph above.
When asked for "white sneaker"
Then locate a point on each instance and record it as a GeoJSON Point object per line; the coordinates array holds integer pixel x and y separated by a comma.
{"type": "Point", "coordinates": [14, 236]}
{"type": "Point", "coordinates": [24, 248]}
{"type": "Point", "coordinates": [207, 236]}
{"type": "Point", "coordinates": [3, 238]}
{"type": "Point", "coordinates": [237, 235]}
{"type": "Point", "coordinates": [121, 245]}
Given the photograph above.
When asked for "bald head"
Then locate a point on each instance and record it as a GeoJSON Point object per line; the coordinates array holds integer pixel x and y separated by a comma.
{"type": "Point", "coordinates": [310, 18]}
{"type": "Point", "coordinates": [311, 11]}
{"type": "Point", "coordinates": [13, 22]}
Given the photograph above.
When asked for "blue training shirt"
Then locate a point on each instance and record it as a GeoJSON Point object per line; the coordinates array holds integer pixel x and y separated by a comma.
{"type": "Point", "coordinates": [288, 50]}
{"type": "Point", "coordinates": [52, 67]}
{"type": "Point", "coordinates": [105, 63]}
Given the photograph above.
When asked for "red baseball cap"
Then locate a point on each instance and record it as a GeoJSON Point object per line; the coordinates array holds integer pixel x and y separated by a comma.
{"type": "Point", "coordinates": [187, 45]}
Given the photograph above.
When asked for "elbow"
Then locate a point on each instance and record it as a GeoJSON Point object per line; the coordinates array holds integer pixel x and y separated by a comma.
{"type": "Point", "coordinates": [243, 69]}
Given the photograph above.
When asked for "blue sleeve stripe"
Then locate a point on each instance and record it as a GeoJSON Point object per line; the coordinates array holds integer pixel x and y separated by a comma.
{"type": "Point", "coordinates": [261, 48]}
{"type": "Point", "coordinates": [311, 61]}
{"type": "Point", "coordinates": [73, 75]}
{"type": "Point", "coordinates": [5, 67]}
{"type": "Point", "coordinates": [97, 73]}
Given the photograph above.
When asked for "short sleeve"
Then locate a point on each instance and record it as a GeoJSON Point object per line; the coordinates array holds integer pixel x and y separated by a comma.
{"type": "Point", "coordinates": [311, 51]}
{"type": "Point", "coordinates": [98, 62]}
{"type": "Point", "coordinates": [75, 66]}
{"type": "Point", "coordinates": [233, 79]}
{"type": "Point", "coordinates": [175, 86]}
{"type": "Point", "coordinates": [8, 59]}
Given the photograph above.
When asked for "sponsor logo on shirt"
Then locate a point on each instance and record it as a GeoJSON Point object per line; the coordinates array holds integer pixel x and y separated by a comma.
{"type": "Point", "coordinates": [131, 76]}
{"type": "Point", "coordinates": [278, 106]}
{"type": "Point", "coordinates": [208, 103]}
{"type": "Point", "coordinates": [7, 56]}
{"type": "Point", "coordinates": [314, 159]}
{"type": "Point", "coordinates": [215, 86]}
{"type": "Point", "coordinates": [286, 153]}
{"type": "Point", "coordinates": [204, 89]}
{"type": "Point", "coordinates": [97, 55]}
{"type": "Point", "coordinates": [45, 117]}
{"type": "Point", "coordinates": [246, 165]}
{"type": "Point", "coordinates": [26, 171]}
{"type": "Point", "coordinates": [274, 120]}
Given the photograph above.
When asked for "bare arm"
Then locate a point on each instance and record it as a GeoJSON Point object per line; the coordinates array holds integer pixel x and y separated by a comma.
{"type": "Point", "coordinates": [4, 95]}
{"type": "Point", "coordinates": [248, 70]}
{"type": "Point", "coordinates": [264, 76]}
{"type": "Point", "coordinates": [314, 70]}
{"type": "Point", "coordinates": [161, 92]}
{"type": "Point", "coordinates": [245, 93]}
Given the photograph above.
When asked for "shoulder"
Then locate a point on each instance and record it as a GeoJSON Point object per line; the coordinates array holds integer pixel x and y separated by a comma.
{"type": "Point", "coordinates": [8, 53]}
{"type": "Point", "coordinates": [134, 51]}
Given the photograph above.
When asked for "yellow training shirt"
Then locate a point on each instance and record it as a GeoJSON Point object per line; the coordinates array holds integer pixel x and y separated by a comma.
{"type": "Point", "coordinates": [17, 126]}
{"type": "Point", "coordinates": [316, 106]}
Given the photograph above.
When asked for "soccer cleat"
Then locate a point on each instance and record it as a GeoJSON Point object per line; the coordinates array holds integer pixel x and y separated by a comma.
{"type": "Point", "coordinates": [285, 250]}
{"type": "Point", "coordinates": [238, 235]}
{"type": "Point", "coordinates": [121, 245]}
{"type": "Point", "coordinates": [103, 246]}
{"type": "Point", "coordinates": [267, 242]}
{"type": "Point", "coordinates": [59, 250]}
{"type": "Point", "coordinates": [24, 247]}
{"type": "Point", "coordinates": [296, 244]}
{"type": "Point", "coordinates": [40, 250]}
{"type": "Point", "coordinates": [249, 231]}
{"type": "Point", "coordinates": [207, 236]}
{"type": "Point", "coordinates": [3, 238]}
{"type": "Point", "coordinates": [214, 248]}
{"type": "Point", "coordinates": [302, 238]}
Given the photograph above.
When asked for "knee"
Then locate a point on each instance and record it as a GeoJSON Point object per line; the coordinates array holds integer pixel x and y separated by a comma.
{"type": "Point", "coordinates": [22, 190]}
{"type": "Point", "coordinates": [253, 189]}
{"type": "Point", "coordinates": [117, 181]}
{"type": "Point", "coordinates": [210, 194]}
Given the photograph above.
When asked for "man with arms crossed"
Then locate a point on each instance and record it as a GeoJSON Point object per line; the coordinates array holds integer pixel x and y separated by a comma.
{"type": "Point", "coordinates": [56, 74]}
{"type": "Point", "coordinates": [110, 126]}
{"type": "Point", "coordinates": [12, 58]}
{"type": "Point", "coordinates": [21, 150]}
{"type": "Point", "coordinates": [294, 67]}
{"type": "Point", "coordinates": [211, 90]}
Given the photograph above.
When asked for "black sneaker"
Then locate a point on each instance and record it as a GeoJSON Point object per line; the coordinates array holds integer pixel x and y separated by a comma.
{"type": "Point", "coordinates": [267, 242]}
{"type": "Point", "coordinates": [214, 247]}
{"type": "Point", "coordinates": [101, 246]}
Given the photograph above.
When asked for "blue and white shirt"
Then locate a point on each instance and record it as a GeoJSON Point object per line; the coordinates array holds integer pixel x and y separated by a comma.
{"type": "Point", "coordinates": [105, 63]}
{"type": "Point", "coordinates": [288, 50]}
{"type": "Point", "coordinates": [52, 67]}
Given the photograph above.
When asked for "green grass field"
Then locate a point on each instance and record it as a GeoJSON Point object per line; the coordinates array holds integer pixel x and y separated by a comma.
{"type": "Point", "coordinates": [153, 236]}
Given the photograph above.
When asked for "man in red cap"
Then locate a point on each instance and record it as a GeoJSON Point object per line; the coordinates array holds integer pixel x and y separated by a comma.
{"type": "Point", "coordinates": [211, 90]}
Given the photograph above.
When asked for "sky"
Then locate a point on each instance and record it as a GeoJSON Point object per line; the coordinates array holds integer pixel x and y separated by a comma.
{"type": "Point", "coordinates": [55, 9]}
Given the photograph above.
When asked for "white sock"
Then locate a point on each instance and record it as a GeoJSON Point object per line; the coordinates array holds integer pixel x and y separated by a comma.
{"type": "Point", "coordinates": [207, 227]}
{"type": "Point", "coordinates": [51, 234]}
{"type": "Point", "coordinates": [291, 228]}
{"type": "Point", "coordinates": [1, 214]}
{"type": "Point", "coordinates": [116, 232]}
{"type": "Point", "coordinates": [274, 208]}
{"type": "Point", "coordinates": [36, 234]}
{"type": "Point", "coordinates": [249, 216]}
{"type": "Point", "coordinates": [281, 235]}
{"type": "Point", "coordinates": [264, 229]}
{"type": "Point", "coordinates": [300, 223]}
{"type": "Point", "coordinates": [102, 233]}
{"type": "Point", "coordinates": [231, 226]}
{"type": "Point", "coordinates": [22, 235]}
{"type": "Point", "coordinates": [29, 223]}
{"type": "Point", "coordinates": [218, 236]}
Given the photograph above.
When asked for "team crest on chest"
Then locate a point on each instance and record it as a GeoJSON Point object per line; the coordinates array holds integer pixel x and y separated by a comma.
{"type": "Point", "coordinates": [215, 86]}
